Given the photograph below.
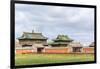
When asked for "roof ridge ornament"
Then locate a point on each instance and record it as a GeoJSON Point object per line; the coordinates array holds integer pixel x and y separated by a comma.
{"type": "Point", "coordinates": [33, 31]}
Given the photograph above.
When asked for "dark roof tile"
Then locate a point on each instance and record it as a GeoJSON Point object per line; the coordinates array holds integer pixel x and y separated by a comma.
{"type": "Point", "coordinates": [28, 35]}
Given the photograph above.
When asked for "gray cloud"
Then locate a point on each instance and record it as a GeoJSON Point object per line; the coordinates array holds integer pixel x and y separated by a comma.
{"type": "Point", "coordinates": [78, 23]}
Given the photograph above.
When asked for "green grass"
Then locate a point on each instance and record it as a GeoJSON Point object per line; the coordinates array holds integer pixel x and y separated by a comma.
{"type": "Point", "coordinates": [32, 59]}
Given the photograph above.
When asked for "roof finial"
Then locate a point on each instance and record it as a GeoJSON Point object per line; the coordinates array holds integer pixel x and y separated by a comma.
{"type": "Point", "coordinates": [32, 31]}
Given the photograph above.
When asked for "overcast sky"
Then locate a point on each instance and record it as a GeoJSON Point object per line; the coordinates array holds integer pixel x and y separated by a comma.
{"type": "Point", "coordinates": [77, 23]}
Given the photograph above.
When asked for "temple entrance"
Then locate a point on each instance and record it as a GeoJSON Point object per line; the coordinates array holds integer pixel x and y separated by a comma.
{"type": "Point", "coordinates": [40, 50]}
{"type": "Point", "coordinates": [77, 49]}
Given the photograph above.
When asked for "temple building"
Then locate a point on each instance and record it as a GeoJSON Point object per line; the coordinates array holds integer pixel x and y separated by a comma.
{"type": "Point", "coordinates": [92, 44]}
{"type": "Point", "coordinates": [76, 47]}
{"type": "Point", "coordinates": [61, 41]}
{"type": "Point", "coordinates": [32, 40]}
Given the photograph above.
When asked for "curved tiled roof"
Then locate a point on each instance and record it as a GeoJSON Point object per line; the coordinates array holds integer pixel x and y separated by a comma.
{"type": "Point", "coordinates": [28, 35]}
{"type": "Point", "coordinates": [75, 44]}
{"type": "Point", "coordinates": [62, 38]}
{"type": "Point", "coordinates": [92, 44]}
